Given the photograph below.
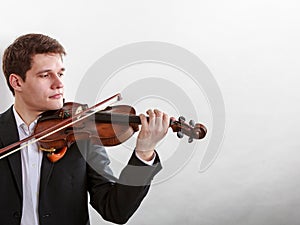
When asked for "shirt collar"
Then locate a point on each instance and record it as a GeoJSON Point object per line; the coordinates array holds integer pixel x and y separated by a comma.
{"type": "Point", "coordinates": [19, 120]}
{"type": "Point", "coordinates": [21, 124]}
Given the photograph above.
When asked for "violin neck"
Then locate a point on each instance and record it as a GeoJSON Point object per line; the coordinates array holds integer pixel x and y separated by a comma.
{"type": "Point", "coordinates": [118, 118]}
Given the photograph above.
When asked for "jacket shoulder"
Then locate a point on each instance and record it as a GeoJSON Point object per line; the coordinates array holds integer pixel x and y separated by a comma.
{"type": "Point", "coordinates": [7, 115]}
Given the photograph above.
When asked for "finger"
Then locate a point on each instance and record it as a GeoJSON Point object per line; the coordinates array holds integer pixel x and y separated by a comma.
{"type": "Point", "coordinates": [158, 113]}
{"type": "Point", "coordinates": [166, 121]}
{"type": "Point", "coordinates": [144, 121]}
{"type": "Point", "coordinates": [152, 117]}
{"type": "Point", "coordinates": [158, 118]}
{"type": "Point", "coordinates": [144, 128]}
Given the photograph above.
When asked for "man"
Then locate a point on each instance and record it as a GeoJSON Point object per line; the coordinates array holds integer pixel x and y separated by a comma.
{"type": "Point", "coordinates": [35, 191]}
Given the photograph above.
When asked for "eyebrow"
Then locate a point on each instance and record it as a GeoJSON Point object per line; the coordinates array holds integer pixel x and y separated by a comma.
{"type": "Point", "coordinates": [48, 70]}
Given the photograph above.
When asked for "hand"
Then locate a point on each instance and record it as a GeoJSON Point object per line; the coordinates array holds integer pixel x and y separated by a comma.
{"type": "Point", "coordinates": [151, 133]}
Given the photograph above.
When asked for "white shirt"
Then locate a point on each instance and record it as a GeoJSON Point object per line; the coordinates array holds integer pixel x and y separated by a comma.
{"type": "Point", "coordinates": [31, 159]}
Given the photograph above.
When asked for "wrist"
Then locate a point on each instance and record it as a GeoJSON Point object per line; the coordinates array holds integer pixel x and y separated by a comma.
{"type": "Point", "coordinates": [147, 155]}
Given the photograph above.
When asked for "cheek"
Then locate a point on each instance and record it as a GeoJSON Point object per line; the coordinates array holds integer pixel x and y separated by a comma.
{"type": "Point", "coordinates": [34, 91]}
{"type": "Point", "coordinates": [37, 88]}
{"type": "Point", "coordinates": [36, 94]}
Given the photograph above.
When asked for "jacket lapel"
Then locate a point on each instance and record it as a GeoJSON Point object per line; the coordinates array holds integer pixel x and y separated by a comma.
{"type": "Point", "coordinates": [15, 165]}
{"type": "Point", "coordinates": [46, 170]}
{"type": "Point", "coordinates": [9, 135]}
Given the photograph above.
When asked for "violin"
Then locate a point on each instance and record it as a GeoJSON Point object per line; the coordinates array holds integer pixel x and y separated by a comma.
{"type": "Point", "coordinates": [57, 130]}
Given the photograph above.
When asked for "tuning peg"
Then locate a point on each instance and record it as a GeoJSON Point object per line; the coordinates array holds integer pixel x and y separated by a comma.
{"type": "Point", "coordinates": [181, 119]}
{"type": "Point", "coordinates": [190, 140]}
{"type": "Point", "coordinates": [179, 134]}
{"type": "Point", "coordinates": [192, 123]}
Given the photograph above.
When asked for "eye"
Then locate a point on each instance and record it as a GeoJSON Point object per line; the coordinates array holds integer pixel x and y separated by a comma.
{"type": "Point", "coordinates": [44, 75]}
{"type": "Point", "coordinates": [60, 74]}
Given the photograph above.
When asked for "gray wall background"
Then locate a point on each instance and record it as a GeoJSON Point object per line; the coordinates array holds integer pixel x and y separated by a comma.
{"type": "Point", "coordinates": [251, 48]}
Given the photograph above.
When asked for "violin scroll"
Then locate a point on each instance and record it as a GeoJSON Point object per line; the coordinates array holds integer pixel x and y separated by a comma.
{"type": "Point", "coordinates": [192, 130]}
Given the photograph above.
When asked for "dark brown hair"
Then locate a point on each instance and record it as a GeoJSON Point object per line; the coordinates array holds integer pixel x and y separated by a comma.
{"type": "Point", "coordinates": [17, 58]}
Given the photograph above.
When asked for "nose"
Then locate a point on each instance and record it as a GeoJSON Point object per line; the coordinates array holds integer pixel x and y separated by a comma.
{"type": "Point", "coordinates": [57, 82]}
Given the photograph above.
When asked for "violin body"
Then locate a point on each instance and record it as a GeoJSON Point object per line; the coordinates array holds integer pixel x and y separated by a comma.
{"type": "Point", "coordinates": [109, 127]}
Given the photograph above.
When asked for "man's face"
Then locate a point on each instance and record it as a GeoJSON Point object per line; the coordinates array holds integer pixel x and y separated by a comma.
{"type": "Point", "coordinates": [43, 88]}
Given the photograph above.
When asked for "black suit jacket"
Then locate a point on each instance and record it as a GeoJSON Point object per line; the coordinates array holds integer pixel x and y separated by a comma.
{"type": "Point", "coordinates": [64, 185]}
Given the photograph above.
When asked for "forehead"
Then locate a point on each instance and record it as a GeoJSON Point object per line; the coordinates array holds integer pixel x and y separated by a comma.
{"type": "Point", "coordinates": [52, 60]}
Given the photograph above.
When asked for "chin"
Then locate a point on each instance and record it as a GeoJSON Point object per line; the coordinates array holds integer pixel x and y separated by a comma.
{"type": "Point", "coordinates": [56, 105]}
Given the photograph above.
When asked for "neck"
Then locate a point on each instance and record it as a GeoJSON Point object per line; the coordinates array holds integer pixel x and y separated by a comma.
{"type": "Point", "coordinates": [27, 115]}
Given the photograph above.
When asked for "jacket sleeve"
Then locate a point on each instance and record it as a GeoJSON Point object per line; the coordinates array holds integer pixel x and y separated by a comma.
{"type": "Point", "coordinates": [117, 199]}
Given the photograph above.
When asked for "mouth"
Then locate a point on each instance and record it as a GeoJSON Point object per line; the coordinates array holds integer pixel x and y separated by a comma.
{"type": "Point", "coordinates": [56, 96]}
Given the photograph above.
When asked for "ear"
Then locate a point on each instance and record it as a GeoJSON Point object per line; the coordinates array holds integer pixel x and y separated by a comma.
{"type": "Point", "coordinates": [16, 82]}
